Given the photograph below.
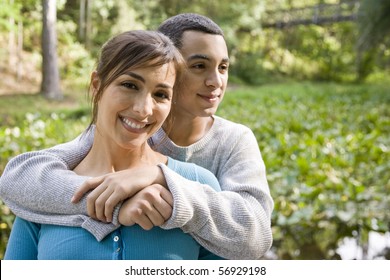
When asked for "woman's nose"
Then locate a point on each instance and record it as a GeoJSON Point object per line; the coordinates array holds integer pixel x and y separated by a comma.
{"type": "Point", "coordinates": [143, 106]}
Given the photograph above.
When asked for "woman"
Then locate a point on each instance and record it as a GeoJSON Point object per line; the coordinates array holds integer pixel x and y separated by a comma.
{"type": "Point", "coordinates": [132, 92]}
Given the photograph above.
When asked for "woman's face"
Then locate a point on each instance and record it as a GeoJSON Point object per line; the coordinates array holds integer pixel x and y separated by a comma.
{"type": "Point", "coordinates": [135, 105]}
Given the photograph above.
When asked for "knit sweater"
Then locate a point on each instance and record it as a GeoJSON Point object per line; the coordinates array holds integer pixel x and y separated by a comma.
{"type": "Point", "coordinates": [30, 240]}
{"type": "Point", "coordinates": [234, 223]}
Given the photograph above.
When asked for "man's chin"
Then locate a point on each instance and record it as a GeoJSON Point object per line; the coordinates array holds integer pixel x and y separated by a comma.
{"type": "Point", "coordinates": [209, 112]}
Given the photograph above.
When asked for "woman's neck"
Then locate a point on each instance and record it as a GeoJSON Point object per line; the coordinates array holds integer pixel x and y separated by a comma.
{"type": "Point", "coordinates": [104, 158]}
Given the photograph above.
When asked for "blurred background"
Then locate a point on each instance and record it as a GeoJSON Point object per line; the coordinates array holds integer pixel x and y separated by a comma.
{"type": "Point", "coordinates": [310, 78]}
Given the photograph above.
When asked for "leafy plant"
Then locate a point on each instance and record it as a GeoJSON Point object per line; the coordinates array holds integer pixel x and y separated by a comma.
{"type": "Point", "coordinates": [327, 152]}
{"type": "Point", "coordinates": [35, 132]}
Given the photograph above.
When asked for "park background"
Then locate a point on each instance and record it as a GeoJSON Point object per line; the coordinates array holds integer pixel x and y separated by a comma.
{"type": "Point", "coordinates": [309, 77]}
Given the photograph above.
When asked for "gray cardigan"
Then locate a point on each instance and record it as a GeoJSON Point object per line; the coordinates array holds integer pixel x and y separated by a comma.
{"type": "Point", "coordinates": [234, 223]}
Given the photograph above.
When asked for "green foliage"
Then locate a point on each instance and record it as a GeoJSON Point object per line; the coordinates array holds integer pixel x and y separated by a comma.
{"type": "Point", "coordinates": [76, 62]}
{"type": "Point", "coordinates": [374, 23]}
{"type": "Point", "coordinates": [34, 132]}
{"type": "Point", "coordinates": [374, 30]}
{"type": "Point", "coordinates": [327, 152]}
{"type": "Point", "coordinates": [326, 53]}
{"type": "Point", "coordinates": [250, 69]}
{"type": "Point", "coordinates": [7, 11]}
{"type": "Point", "coordinates": [307, 52]}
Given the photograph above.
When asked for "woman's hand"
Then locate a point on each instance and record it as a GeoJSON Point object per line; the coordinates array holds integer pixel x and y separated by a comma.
{"type": "Point", "coordinates": [150, 207]}
{"type": "Point", "coordinates": [110, 189]}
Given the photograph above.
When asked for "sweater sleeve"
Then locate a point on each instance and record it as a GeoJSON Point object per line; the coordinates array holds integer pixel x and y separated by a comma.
{"type": "Point", "coordinates": [236, 222]}
{"type": "Point", "coordinates": [38, 186]}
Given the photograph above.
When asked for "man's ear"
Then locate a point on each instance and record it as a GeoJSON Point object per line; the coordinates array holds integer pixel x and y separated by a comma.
{"type": "Point", "coordinates": [95, 82]}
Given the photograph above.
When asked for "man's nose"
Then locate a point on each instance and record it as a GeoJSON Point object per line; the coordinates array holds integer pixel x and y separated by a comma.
{"type": "Point", "coordinates": [214, 79]}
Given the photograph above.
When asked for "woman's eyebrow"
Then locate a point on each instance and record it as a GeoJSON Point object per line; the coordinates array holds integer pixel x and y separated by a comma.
{"type": "Point", "coordinates": [140, 78]}
{"type": "Point", "coordinates": [163, 85]}
{"type": "Point", "coordinates": [135, 76]}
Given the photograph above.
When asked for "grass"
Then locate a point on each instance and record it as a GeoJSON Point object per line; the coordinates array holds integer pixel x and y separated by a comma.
{"type": "Point", "coordinates": [13, 108]}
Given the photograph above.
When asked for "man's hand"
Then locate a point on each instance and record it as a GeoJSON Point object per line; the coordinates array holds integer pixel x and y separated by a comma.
{"type": "Point", "coordinates": [150, 207]}
{"type": "Point", "coordinates": [110, 189]}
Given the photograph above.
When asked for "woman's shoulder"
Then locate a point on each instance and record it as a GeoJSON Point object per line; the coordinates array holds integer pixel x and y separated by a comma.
{"type": "Point", "coordinates": [194, 172]}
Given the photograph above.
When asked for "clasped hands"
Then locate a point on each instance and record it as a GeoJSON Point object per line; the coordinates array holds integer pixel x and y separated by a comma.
{"type": "Point", "coordinates": [143, 191]}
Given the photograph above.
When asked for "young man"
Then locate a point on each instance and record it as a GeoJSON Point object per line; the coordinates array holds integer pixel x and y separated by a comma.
{"type": "Point", "coordinates": [233, 224]}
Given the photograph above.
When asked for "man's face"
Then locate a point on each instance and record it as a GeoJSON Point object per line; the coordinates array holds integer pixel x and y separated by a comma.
{"type": "Point", "coordinates": [204, 83]}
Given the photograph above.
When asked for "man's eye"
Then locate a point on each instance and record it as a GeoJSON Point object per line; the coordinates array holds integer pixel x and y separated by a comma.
{"type": "Point", "coordinates": [224, 67]}
{"type": "Point", "coordinates": [198, 66]}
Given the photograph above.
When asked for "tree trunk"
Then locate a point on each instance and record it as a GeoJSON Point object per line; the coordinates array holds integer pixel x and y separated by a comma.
{"type": "Point", "coordinates": [88, 25]}
{"type": "Point", "coordinates": [82, 21]}
{"type": "Point", "coordinates": [19, 74]}
{"type": "Point", "coordinates": [11, 43]}
{"type": "Point", "coordinates": [50, 86]}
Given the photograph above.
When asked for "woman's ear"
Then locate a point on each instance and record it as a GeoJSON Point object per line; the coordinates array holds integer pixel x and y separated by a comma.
{"type": "Point", "coordinates": [95, 82]}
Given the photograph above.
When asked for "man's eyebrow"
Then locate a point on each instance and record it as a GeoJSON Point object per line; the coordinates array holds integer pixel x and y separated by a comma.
{"type": "Point", "coordinates": [198, 56]}
{"type": "Point", "coordinates": [206, 57]}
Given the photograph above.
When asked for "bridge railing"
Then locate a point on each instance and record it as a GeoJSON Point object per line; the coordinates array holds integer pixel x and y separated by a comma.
{"type": "Point", "coordinates": [317, 14]}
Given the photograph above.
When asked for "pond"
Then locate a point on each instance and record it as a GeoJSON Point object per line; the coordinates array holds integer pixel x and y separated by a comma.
{"type": "Point", "coordinates": [377, 245]}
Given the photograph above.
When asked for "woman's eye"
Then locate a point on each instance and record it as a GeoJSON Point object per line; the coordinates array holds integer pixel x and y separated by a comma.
{"type": "Point", "coordinates": [129, 85]}
{"type": "Point", "coordinates": [162, 95]}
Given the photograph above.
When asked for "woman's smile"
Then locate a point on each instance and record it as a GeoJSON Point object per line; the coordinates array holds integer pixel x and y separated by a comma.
{"type": "Point", "coordinates": [132, 125]}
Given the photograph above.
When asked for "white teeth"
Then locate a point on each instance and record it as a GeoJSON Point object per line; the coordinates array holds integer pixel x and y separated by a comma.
{"type": "Point", "coordinates": [133, 125]}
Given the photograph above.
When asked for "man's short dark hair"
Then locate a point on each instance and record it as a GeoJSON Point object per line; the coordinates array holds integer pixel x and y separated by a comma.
{"type": "Point", "coordinates": [175, 26]}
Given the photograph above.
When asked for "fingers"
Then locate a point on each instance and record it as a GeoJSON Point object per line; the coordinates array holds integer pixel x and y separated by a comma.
{"type": "Point", "coordinates": [158, 208]}
{"type": "Point", "coordinates": [167, 196]}
{"type": "Point", "coordinates": [102, 201]}
{"type": "Point", "coordinates": [109, 206]}
{"type": "Point", "coordinates": [107, 192]}
{"type": "Point", "coordinates": [88, 185]}
{"type": "Point", "coordinates": [144, 220]}
{"type": "Point", "coordinates": [164, 206]}
{"type": "Point", "coordinates": [96, 202]}
{"type": "Point", "coordinates": [150, 207]}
